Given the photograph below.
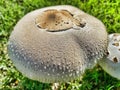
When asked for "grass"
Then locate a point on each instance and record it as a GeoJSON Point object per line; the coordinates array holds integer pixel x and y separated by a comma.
{"type": "Point", "coordinates": [108, 11]}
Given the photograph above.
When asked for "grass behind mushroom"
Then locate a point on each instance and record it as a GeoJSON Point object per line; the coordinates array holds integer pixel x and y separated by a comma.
{"type": "Point", "coordinates": [12, 10]}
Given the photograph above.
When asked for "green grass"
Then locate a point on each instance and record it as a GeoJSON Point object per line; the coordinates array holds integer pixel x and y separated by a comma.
{"type": "Point", "coordinates": [108, 11]}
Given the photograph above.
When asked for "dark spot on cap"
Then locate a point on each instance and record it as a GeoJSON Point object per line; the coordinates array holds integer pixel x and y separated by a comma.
{"type": "Point", "coordinates": [115, 34]}
{"type": "Point", "coordinates": [115, 44]}
{"type": "Point", "coordinates": [119, 49]}
{"type": "Point", "coordinates": [67, 22]}
{"type": "Point", "coordinates": [107, 53]}
{"type": "Point", "coordinates": [82, 25]}
{"type": "Point", "coordinates": [115, 59]}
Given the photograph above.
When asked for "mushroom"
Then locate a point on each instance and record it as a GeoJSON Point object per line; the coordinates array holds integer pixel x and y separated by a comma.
{"type": "Point", "coordinates": [111, 64]}
{"type": "Point", "coordinates": [57, 43]}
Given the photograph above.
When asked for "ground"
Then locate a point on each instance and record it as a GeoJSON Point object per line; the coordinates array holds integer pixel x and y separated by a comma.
{"type": "Point", "coordinates": [108, 11]}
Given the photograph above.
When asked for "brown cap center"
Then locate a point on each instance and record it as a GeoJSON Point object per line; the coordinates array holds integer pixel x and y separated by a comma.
{"type": "Point", "coordinates": [54, 20]}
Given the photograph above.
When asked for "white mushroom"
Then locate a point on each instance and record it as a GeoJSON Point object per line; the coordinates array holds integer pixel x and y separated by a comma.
{"type": "Point", "coordinates": [111, 64]}
{"type": "Point", "coordinates": [57, 43]}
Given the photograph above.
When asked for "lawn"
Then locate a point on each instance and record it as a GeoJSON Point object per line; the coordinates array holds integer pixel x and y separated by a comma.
{"type": "Point", "coordinates": [108, 11]}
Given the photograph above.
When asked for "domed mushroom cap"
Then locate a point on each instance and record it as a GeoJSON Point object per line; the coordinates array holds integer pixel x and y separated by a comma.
{"type": "Point", "coordinates": [57, 44]}
{"type": "Point", "coordinates": [111, 64]}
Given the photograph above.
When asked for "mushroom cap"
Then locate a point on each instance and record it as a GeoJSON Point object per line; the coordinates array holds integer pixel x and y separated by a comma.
{"type": "Point", "coordinates": [111, 64]}
{"type": "Point", "coordinates": [57, 43]}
